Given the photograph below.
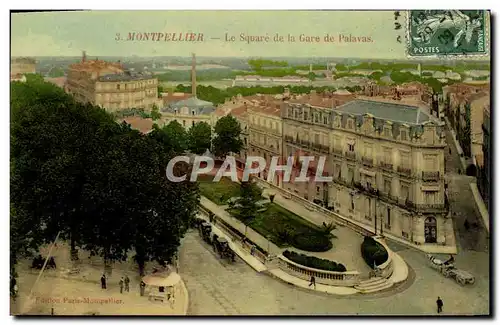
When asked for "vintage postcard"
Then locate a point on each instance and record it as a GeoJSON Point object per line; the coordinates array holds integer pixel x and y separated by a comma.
{"type": "Point", "coordinates": [250, 163]}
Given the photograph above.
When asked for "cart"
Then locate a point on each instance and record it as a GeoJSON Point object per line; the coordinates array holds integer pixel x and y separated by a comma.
{"type": "Point", "coordinates": [450, 271]}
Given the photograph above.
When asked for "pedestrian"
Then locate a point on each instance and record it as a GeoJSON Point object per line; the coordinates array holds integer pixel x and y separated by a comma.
{"type": "Point", "coordinates": [121, 285]}
{"type": "Point", "coordinates": [252, 250]}
{"type": "Point", "coordinates": [449, 150]}
{"type": "Point", "coordinates": [142, 287]}
{"type": "Point", "coordinates": [103, 281]}
{"type": "Point", "coordinates": [127, 283]}
{"type": "Point", "coordinates": [313, 282]}
{"type": "Point", "coordinates": [439, 303]}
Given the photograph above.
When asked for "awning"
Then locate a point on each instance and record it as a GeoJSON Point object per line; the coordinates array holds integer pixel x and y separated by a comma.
{"type": "Point", "coordinates": [162, 279]}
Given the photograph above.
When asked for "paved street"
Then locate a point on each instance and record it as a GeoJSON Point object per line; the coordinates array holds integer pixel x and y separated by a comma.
{"type": "Point", "coordinates": [462, 204]}
{"type": "Point", "coordinates": [219, 288]}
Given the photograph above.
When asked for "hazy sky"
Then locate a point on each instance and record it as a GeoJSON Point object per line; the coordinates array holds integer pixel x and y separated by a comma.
{"type": "Point", "coordinates": [68, 33]}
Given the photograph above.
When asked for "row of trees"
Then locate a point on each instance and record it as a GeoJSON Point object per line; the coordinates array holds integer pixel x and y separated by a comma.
{"type": "Point", "coordinates": [198, 139]}
{"type": "Point", "coordinates": [100, 184]}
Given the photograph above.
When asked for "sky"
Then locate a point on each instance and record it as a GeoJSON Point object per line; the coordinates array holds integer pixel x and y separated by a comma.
{"type": "Point", "coordinates": [68, 33]}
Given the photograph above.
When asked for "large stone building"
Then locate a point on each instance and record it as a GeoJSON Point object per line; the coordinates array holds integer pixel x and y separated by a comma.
{"type": "Point", "coordinates": [464, 106]}
{"type": "Point", "coordinates": [109, 85]}
{"type": "Point", "coordinates": [484, 175]}
{"type": "Point", "coordinates": [265, 131]}
{"type": "Point", "coordinates": [190, 111]}
{"type": "Point", "coordinates": [387, 164]}
{"type": "Point", "coordinates": [21, 66]}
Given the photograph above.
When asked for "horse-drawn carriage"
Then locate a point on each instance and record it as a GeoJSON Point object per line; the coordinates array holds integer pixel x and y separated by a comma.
{"type": "Point", "coordinates": [206, 231]}
{"type": "Point", "coordinates": [448, 269]}
{"type": "Point", "coordinates": [221, 245]}
{"type": "Point", "coordinates": [38, 262]}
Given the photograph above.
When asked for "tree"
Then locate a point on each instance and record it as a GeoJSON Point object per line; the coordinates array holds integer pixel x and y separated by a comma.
{"type": "Point", "coordinates": [311, 76]}
{"type": "Point", "coordinates": [76, 171]}
{"type": "Point", "coordinates": [199, 138]}
{"type": "Point", "coordinates": [155, 113]}
{"type": "Point", "coordinates": [173, 136]}
{"type": "Point", "coordinates": [245, 207]}
{"type": "Point", "coordinates": [227, 138]}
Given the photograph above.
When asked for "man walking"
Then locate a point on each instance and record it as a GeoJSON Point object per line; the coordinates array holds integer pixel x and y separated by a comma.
{"type": "Point", "coordinates": [121, 285]}
{"type": "Point", "coordinates": [142, 287]}
{"type": "Point", "coordinates": [313, 282]}
{"type": "Point", "coordinates": [103, 281]}
{"type": "Point", "coordinates": [127, 282]}
{"type": "Point", "coordinates": [439, 303]}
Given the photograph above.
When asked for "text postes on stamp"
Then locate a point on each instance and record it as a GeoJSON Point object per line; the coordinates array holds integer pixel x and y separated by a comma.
{"type": "Point", "coordinates": [447, 32]}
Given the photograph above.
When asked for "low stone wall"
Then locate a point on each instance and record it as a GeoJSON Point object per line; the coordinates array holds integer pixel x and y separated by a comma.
{"type": "Point", "coordinates": [386, 269]}
{"type": "Point", "coordinates": [344, 279]}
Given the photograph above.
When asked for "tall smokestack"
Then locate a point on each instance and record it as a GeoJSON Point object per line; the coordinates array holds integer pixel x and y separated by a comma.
{"type": "Point", "coordinates": [84, 56]}
{"type": "Point", "coordinates": [193, 76]}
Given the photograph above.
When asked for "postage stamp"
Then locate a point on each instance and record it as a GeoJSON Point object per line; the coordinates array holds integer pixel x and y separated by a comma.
{"type": "Point", "coordinates": [447, 32]}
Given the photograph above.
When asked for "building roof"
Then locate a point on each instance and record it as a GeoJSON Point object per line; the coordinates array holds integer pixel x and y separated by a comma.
{"type": "Point", "coordinates": [24, 60]}
{"type": "Point", "coordinates": [387, 111]}
{"type": "Point", "coordinates": [126, 76]}
{"type": "Point", "coordinates": [240, 111]}
{"type": "Point", "coordinates": [200, 107]}
{"type": "Point", "coordinates": [58, 81]}
{"type": "Point", "coordinates": [143, 125]}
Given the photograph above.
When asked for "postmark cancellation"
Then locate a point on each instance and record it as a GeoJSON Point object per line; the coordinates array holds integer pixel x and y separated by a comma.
{"type": "Point", "coordinates": [441, 33]}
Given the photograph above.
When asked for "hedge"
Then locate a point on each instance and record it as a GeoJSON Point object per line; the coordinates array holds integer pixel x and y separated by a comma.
{"type": "Point", "coordinates": [314, 262]}
{"type": "Point", "coordinates": [312, 242]}
{"type": "Point", "coordinates": [373, 252]}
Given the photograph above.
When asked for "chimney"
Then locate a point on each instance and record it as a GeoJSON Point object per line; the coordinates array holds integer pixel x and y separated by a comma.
{"type": "Point", "coordinates": [193, 76]}
{"type": "Point", "coordinates": [84, 56]}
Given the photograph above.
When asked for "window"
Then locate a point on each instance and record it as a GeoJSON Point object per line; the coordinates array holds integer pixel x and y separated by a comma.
{"type": "Point", "coordinates": [387, 186]}
{"type": "Point", "coordinates": [317, 189]}
{"type": "Point", "coordinates": [350, 147]}
{"type": "Point", "coordinates": [192, 113]}
{"type": "Point", "coordinates": [350, 124]}
{"type": "Point", "coordinates": [192, 123]}
{"type": "Point", "coordinates": [405, 191]}
{"type": "Point", "coordinates": [245, 139]}
{"type": "Point", "coordinates": [339, 170]}
{"type": "Point", "coordinates": [387, 157]}
{"type": "Point", "coordinates": [405, 159]}
{"type": "Point", "coordinates": [430, 197]}
{"type": "Point", "coordinates": [316, 139]}
{"type": "Point", "coordinates": [388, 217]}
{"type": "Point", "coordinates": [350, 174]}
{"type": "Point", "coordinates": [118, 86]}
{"type": "Point", "coordinates": [316, 118]}
{"type": "Point", "coordinates": [352, 201]}
{"type": "Point", "coordinates": [404, 135]}
{"type": "Point", "coordinates": [387, 132]}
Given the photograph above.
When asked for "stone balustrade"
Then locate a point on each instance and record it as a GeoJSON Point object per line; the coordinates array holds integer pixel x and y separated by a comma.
{"type": "Point", "coordinates": [385, 270]}
{"type": "Point", "coordinates": [344, 279]}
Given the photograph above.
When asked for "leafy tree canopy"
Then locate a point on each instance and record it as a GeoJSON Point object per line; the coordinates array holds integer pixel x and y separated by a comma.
{"type": "Point", "coordinates": [227, 138]}
{"type": "Point", "coordinates": [200, 138]}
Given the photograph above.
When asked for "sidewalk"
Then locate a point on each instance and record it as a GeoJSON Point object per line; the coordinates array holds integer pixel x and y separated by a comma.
{"type": "Point", "coordinates": [481, 206]}
{"type": "Point", "coordinates": [81, 293]}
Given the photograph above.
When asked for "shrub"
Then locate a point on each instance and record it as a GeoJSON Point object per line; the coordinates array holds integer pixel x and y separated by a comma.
{"type": "Point", "coordinates": [312, 242]}
{"type": "Point", "coordinates": [314, 262]}
{"type": "Point", "coordinates": [373, 252]}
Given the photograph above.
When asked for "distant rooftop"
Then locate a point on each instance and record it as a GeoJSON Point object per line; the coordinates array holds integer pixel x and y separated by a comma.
{"type": "Point", "coordinates": [23, 60]}
{"type": "Point", "coordinates": [126, 76]}
{"type": "Point", "coordinates": [387, 111]}
{"type": "Point", "coordinates": [200, 107]}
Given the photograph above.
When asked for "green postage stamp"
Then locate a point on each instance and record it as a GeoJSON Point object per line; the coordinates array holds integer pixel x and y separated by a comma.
{"type": "Point", "coordinates": [447, 32]}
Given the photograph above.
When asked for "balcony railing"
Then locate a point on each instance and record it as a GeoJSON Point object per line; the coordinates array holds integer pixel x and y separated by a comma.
{"type": "Point", "coordinates": [386, 165]}
{"type": "Point", "coordinates": [367, 161]}
{"type": "Point", "coordinates": [350, 154]}
{"type": "Point", "coordinates": [430, 176]}
{"type": "Point", "coordinates": [337, 151]}
{"type": "Point", "coordinates": [321, 148]}
{"type": "Point", "coordinates": [404, 170]}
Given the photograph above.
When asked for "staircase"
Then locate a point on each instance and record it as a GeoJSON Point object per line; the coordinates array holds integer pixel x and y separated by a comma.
{"type": "Point", "coordinates": [373, 285]}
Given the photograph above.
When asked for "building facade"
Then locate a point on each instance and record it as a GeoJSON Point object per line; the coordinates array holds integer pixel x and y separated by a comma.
{"type": "Point", "coordinates": [110, 86]}
{"type": "Point", "coordinates": [21, 66]}
{"type": "Point", "coordinates": [484, 175]}
{"type": "Point", "coordinates": [265, 133]}
{"type": "Point", "coordinates": [386, 161]}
